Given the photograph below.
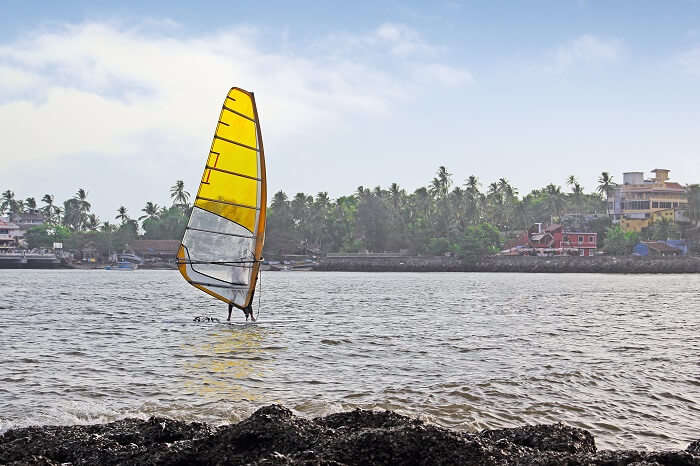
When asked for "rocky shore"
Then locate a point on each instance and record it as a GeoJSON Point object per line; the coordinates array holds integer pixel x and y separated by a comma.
{"type": "Point", "coordinates": [520, 264]}
{"type": "Point", "coordinates": [274, 436]}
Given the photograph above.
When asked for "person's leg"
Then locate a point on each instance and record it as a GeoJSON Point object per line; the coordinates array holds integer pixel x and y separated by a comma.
{"type": "Point", "coordinates": [230, 309]}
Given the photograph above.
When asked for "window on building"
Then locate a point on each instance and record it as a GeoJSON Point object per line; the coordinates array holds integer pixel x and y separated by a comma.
{"type": "Point", "coordinates": [580, 239]}
{"type": "Point", "coordinates": [581, 252]}
{"type": "Point", "coordinates": [636, 205]}
{"type": "Point", "coordinates": [4, 232]}
{"type": "Point", "coordinates": [655, 205]}
{"type": "Point", "coordinates": [591, 239]}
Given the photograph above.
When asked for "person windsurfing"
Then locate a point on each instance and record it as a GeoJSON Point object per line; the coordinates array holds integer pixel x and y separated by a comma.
{"type": "Point", "coordinates": [248, 311]}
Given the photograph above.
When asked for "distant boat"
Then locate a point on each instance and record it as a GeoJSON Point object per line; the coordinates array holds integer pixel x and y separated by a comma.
{"type": "Point", "coordinates": [122, 266]}
{"type": "Point", "coordinates": [125, 261]}
{"type": "Point", "coordinates": [221, 250]}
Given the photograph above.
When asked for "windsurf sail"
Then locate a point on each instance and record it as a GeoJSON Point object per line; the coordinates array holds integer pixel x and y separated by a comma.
{"type": "Point", "coordinates": [221, 249]}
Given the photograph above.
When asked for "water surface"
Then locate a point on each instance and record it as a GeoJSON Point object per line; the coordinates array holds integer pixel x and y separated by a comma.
{"type": "Point", "coordinates": [616, 354]}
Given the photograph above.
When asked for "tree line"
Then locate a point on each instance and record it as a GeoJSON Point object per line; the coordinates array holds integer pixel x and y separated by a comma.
{"type": "Point", "coordinates": [73, 224]}
{"type": "Point", "coordinates": [442, 217]}
{"type": "Point", "coordinates": [464, 219]}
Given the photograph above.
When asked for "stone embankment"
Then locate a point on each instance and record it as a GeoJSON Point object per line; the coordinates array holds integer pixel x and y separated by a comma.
{"type": "Point", "coordinates": [274, 436]}
{"type": "Point", "coordinates": [521, 264]}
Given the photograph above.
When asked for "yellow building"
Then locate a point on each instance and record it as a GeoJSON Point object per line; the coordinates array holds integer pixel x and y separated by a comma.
{"type": "Point", "coordinates": [637, 203]}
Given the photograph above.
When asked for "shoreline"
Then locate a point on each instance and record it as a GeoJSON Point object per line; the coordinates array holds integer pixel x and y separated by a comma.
{"type": "Point", "coordinates": [273, 435]}
{"type": "Point", "coordinates": [498, 264]}
{"type": "Point", "coordinates": [516, 264]}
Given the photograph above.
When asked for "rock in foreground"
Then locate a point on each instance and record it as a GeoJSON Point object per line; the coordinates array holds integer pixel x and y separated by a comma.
{"type": "Point", "coordinates": [274, 436]}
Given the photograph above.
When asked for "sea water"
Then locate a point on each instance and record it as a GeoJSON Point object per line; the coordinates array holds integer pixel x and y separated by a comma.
{"type": "Point", "coordinates": [618, 355]}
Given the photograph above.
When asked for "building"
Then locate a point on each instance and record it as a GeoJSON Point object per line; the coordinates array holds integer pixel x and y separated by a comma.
{"type": "Point", "coordinates": [9, 236]}
{"type": "Point", "coordinates": [553, 240]}
{"type": "Point", "coordinates": [637, 202]}
{"type": "Point", "coordinates": [24, 221]}
{"type": "Point", "coordinates": [156, 250]}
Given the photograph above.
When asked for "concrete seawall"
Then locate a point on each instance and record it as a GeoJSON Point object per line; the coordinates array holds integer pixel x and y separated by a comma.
{"type": "Point", "coordinates": [520, 264]}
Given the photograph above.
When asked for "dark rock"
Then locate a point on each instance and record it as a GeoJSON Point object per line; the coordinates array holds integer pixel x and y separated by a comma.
{"type": "Point", "coordinates": [556, 437]}
{"type": "Point", "coordinates": [274, 436]}
{"type": "Point", "coordinates": [694, 448]}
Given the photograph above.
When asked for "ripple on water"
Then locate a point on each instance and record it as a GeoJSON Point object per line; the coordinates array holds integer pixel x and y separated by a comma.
{"type": "Point", "coordinates": [495, 350]}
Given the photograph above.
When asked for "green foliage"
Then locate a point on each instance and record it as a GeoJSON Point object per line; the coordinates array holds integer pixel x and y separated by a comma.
{"type": "Point", "coordinates": [694, 203]}
{"type": "Point", "coordinates": [43, 236]}
{"type": "Point", "coordinates": [170, 223]}
{"type": "Point", "coordinates": [444, 216]}
{"type": "Point", "coordinates": [391, 219]}
{"type": "Point", "coordinates": [618, 242]}
{"type": "Point", "coordinates": [478, 241]}
{"type": "Point", "coordinates": [438, 246]}
{"type": "Point", "coordinates": [662, 230]}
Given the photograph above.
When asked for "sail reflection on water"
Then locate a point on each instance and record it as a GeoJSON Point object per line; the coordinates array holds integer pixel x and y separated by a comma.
{"type": "Point", "coordinates": [230, 366]}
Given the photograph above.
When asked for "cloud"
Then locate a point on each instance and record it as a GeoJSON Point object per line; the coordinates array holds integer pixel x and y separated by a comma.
{"type": "Point", "coordinates": [403, 41]}
{"type": "Point", "coordinates": [100, 90]}
{"type": "Point", "coordinates": [587, 49]}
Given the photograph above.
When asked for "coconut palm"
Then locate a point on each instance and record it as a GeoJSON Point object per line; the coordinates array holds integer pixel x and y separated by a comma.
{"type": "Point", "coordinates": [49, 209]}
{"type": "Point", "coordinates": [92, 222]}
{"type": "Point", "coordinates": [555, 199]}
{"type": "Point", "coordinates": [440, 185]}
{"type": "Point", "coordinates": [151, 210]}
{"type": "Point", "coordinates": [8, 202]}
{"type": "Point", "coordinates": [122, 215]}
{"type": "Point", "coordinates": [30, 205]}
{"type": "Point", "coordinates": [605, 185]}
{"type": "Point", "coordinates": [81, 196]}
{"type": "Point", "coordinates": [19, 207]}
{"type": "Point", "coordinates": [178, 194]}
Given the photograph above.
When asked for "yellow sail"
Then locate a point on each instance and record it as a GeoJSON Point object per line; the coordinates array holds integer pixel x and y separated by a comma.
{"type": "Point", "coordinates": [222, 246]}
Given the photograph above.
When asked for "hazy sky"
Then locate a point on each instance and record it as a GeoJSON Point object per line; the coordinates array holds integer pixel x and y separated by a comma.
{"type": "Point", "coordinates": [123, 100]}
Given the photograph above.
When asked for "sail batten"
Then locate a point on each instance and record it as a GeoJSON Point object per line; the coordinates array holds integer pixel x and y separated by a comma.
{"type": "Point", "coordinates": [228, 203]}
{"type": "Point", "coordinates": [221, 249]}
{"type": "Point", "coordinates": [233, 173]}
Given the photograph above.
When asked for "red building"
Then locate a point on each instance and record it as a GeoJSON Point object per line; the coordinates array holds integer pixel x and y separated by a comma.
{"type": "Point", "coordinates": [553, 240]}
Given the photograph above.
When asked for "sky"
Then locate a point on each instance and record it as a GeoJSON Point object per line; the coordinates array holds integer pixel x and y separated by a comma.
{"type": "Point", "coordinates": [121, 98]}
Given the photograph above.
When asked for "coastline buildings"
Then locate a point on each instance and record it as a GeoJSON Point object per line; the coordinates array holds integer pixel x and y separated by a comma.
{"type": "Point", "coordinates": [639, 202]}
{"type": "Point", "coordinates": [9, 236]}
{"type": "Point", "coordinates": [553, 240]}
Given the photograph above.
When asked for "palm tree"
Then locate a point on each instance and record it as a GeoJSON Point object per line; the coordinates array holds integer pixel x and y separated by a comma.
{"type": "Point", "coordinates": [18, 207]}
{"type": "Point", "coordinates": [440, 185]}
{"type": "Point", "coordinates": [81, 196]}
{"type": "Point", "coordinates": [151, 210]}
{"type": "Point", "coordinates": [92, 222]}
{"type": "Point", "coordinates": [122, 215]}
{"type": "Point", "coordinates": [473, 199]}
{"type": "Point", "coordinates": [30, 204]}
{"type": "Point", "coordinates": [555, 199]}
{"type": "Point", "coordinates": [8, 202]}
{"type": "Point", "coordinates": [49, 209]}
{"type": "Point", "coordinates": [178, 194]}
{"type": "Point", "coordinates": [605, 185]}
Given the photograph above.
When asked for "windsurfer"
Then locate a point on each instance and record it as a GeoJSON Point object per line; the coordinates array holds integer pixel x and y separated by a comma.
{"type": "Point", "coordinates": [248, 311]}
